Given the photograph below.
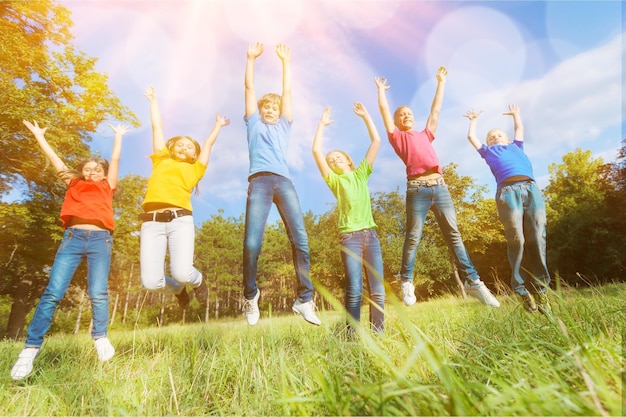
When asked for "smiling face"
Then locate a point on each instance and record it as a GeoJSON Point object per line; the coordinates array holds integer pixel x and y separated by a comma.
{"type": "Point", "coordinates": [269, 108]}
{"type": "Point", "coordinates": [93, 171]}
{"type": "Point", "coordinates": [339, 162]}
{"type": "Point", "coordinates": [403, 118]}
{"type": "Point", "coordinates": [183, 149]}
{"type": "Point", "coordinates": [497, 137]}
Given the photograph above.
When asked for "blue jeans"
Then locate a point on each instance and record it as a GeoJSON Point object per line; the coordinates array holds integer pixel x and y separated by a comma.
{"type": "Point", "coordinates": [361, 250]}
{"type": "Point", "coordinates": [264, 190]}
{"type": "Point", "coordinates": [522, 211]}
{"type": "Point", "coordinates": [420, 199]}
{"type": "Point", "coordinates": [77, 244]}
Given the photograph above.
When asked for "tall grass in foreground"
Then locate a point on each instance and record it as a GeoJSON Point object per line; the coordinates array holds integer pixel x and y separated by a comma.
{"type": "Point", "coordinates": [444, 357]}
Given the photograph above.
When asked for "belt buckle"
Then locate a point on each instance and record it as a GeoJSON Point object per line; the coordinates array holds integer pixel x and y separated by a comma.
{"type": "Point", "coordinates": [165, 216]}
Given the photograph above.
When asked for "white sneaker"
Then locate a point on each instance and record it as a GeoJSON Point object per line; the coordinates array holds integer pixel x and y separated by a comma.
{"type": "Point", "coordinates": [479, 290]}
{"type": "Point", "coordinates": [24, 365]}
{"type": "Point", "coordinates": [251, 309]}
{"type": "Point", "coordinates": [307, 311]}
{"type": "Point", "coordinates": [408, 293]}
{"type": "Point", "coordinates": [104, 348]}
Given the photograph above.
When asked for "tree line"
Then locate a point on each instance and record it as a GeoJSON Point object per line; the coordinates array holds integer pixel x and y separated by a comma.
{"type": "Point", "coordinates": [585, 198]}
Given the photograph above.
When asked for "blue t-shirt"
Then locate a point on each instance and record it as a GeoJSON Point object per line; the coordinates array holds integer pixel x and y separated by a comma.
{"type": "Point", "coordinates": [267, 145]}
{"type": "Point", "coordinates": [506, 161]}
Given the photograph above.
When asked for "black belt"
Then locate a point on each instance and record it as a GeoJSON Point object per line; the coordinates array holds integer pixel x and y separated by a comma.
{"type": "Point", "coordinates": [164, 216]}
{"type": "Point", "coordinates": [260, 174]}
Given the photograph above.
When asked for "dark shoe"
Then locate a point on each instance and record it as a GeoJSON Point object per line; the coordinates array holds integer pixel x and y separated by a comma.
{"type": "Point", "coordinates": [183, 299]}
{"type": "Point", "coordinates": [543, 304]}
{"type": "Point", "coordinates": [529, 303]}
{"type": "Point", "coordinates": [201, 292]}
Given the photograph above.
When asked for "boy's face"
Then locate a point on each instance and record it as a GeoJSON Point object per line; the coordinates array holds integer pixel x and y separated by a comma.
{"type": "Point", "coordinates": [93, 171]}
{"type": "Point", "coordinates": [184, 150]}
{"type": "Point", "coordinates": [269, 112]}
{"type": "Point", "coordinates": [338, 162]}
{"type": "Point", "coordinates": [403, 119]}
{"type": "Point", "coordinates": [497, 137]}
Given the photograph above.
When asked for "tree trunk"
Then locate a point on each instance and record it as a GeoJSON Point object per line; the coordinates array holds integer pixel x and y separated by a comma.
{"type": "Point", "coordinates": [117, 297]}
{"type": "Point", "coordinates": [80, 312]}
{"type": "Point", "coordinates": [24, 298]}
{"type": "Point", "coordinates": [162, 312]}
{"type": "Point", "coordinates": [127, 300]}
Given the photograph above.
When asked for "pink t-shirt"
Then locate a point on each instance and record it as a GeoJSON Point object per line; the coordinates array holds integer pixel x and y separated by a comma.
{"type": "Point", "coordinates": [416, 151]}
{"type": "Point", "coordinates": [90, 201]}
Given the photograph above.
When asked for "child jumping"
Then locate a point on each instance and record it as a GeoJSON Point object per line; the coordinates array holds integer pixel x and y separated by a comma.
{"type": "Point", "coordinates": [360, 247]}
{"type": "Point", "coordinates": [177, 166]}
{"type": "Point", "coordinates": [87, 218]}
{"type": "Point", "coordinates": [427, 190]}
{"type": "Point", "coordinates": [521, 209]}
{"type": "Point", "coordinates": [268, 124]}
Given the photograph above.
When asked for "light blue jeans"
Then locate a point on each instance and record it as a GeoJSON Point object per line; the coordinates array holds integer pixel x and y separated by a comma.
{"type": "Point", "coordinates": [360, 251]}
{"type": "Point", "coordinates": [156, 239]}
{"type": "Point", "coordinates": [263, 191]}
{"type": "Point", "coordinates": [77, 244]}
{"type": "Point", "coordinates": [522, 211]}
{"type": "Point", "coordinates": [420, 199]}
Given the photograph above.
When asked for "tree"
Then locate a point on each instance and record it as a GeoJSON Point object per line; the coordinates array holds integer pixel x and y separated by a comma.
{"type": "Point", "coordinates": [581, 242]}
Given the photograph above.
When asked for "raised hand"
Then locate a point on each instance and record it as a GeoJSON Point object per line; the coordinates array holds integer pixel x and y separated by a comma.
{"type": "Point", "coordinates": [120, 130]}
{"type": "Point", "coordinates": [442, 73]}
{"type": "Point", "coordinates": [513, 110]}
{"type": "Point", "coordinates": [34, 127]}
{"type": "Point", "coordinates": [150, 93]}
{"type": "Point", "coordinates": [381, 83]}
{"type": "Point", "coordinates": [255, 49]}
{"type": "Point", "coordinates": [222, 121]}
{"type": "Point", "coordinates": [283, 52]}
{"type": "Point", "coordinates": [472, 114]}
{"type": "Point", "coordinates": [359, 109]}
{"type": "Point", "coordinates": [326, 120]}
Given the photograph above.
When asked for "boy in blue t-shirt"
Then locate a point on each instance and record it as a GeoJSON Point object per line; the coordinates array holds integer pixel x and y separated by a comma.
{"type": "Point", "coordinates": [521, 209]}
{"type": "Point", "coordinates": [268, 124]}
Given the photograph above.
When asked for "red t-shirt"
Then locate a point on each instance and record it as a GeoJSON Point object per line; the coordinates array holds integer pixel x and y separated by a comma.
{"type": "Point", "coordinates": [90, 201]}
{"type": "Point", "coordinates": [416, 150]}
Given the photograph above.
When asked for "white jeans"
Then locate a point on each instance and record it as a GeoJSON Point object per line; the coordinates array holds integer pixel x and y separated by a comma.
{"type": "Point", "coordinates": [155, 238]}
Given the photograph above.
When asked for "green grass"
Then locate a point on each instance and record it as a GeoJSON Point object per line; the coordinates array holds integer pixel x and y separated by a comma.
{"type": "Point", "coordinates": [443, 357]}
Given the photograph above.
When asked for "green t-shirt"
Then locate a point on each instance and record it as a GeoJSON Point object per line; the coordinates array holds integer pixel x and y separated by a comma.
{"type": "Point", "coordinates": [353, 198]}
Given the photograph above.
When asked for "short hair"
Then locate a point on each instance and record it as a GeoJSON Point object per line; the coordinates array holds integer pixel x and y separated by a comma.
{"type": "Point", "coordinates": [404, 106]}
{"type": "Point", "coordinates": [494, 130]}
{"type": "Point", "coordinates": [270, 98]}
{"type": "Point", "coordinates": [350, 162]}
{"type": "Point", "coordinates": [172, 141]}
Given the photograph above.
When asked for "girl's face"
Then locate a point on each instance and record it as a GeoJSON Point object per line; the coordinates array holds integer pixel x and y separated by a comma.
{"type": "Point", "coordinates": [338, 162]}
{"type": "Point", "coordinates": [403, 119]}
{"type": "Point", "coordinates": [184, 150]}
{"type": "Point", "coordinates": [270, 113]}
{"type": "Point", "coordinates": [497, 137]}
{"type": "Point", "coordinates": [93, 171]}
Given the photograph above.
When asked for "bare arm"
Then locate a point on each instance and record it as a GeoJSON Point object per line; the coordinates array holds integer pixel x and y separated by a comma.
{"type": "Point", "coordinates": [435, 108]}
{"type": "Point", "coordinates": [383, 105]}
{"type": "Point", "coordinates": [39, 133]}
{"type": "Point", "coordinates": [285, 56]}
{"type": "Point", "coordinates": [205, 152]}
{"type": "Point", "coordinates": [254, 50]}
{"type": "Point", "coordinates": [116, 153]}
{"type": "Point", "coordinates": [318, 155]}
{"type": "Point", "coordinates": [372, 151]}
{"type": "Point", "coordinates": [517, 122]}
{"type": "Point", "coordinates": [158, 140]}
{"type": "Point", "coordinates": [472, 115]}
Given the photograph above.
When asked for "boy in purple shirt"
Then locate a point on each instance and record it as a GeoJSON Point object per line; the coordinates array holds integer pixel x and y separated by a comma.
{"type": "Point", "coordinates": [521, 209]}
{"type": "Point", "coordinates": [426, 190]}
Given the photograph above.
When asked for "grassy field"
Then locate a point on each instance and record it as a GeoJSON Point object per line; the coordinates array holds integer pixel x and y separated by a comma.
{"type": "Point", "coordinates": [444, 357]}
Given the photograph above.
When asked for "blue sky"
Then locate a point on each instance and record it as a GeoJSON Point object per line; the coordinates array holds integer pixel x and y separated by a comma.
{"type": "Point", "coordinates": [560, 61]}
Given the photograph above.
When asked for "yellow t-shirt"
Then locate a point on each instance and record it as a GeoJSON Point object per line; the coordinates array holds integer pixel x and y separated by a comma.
{"type": "Point", "coordinates": [172, 181]}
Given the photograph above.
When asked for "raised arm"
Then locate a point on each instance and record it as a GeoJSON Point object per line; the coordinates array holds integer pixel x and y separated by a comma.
{"type": "Point", "coordinates": [39, 133]}
{"type": "Point", "coordinates": [383, 105]}
{"type": "Point", "coordinates": [372, 151]}
{"type": "Point", "coordinates": [517, 122]}
{"type": "Point", "coordinates": [205, 152]}
{"type": "Point", "coordinates": [158, 140]}
{"type": "Point", "coordinates": [114, 162]}
{"type": "Point", "coordinates": [254, 51]}
{"type": "Point", "coordinates": [435, 108]}
{"type": "Point", "coordinates": [472, 115]}
{"type": "Point", "coordinates": [285, 56]}
{"type": "Point", "coordinates": [318, 155]}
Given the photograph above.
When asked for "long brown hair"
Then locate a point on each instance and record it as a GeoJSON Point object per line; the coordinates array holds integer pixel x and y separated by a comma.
{"type": "Point", "coordinates": [77, 171]}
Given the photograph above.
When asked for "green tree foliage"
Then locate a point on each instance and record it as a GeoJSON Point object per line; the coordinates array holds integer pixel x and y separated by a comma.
{"type": "Point", "coordinates": [44, 78]}
{"type": "Point", "coordinates": [582, 242]}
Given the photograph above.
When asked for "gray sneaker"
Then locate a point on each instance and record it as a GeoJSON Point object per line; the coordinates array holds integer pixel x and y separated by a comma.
{"type": "Point", "coordinates": [307, 311]}
{"type": "Point", "coordinates": [24, 365]}
{"type": "Point", "coordinates": [251, 309]}
{"type": "Point", "coordinates": [529, 303]}
{"type": "Point", "coordinates": [479, 290]}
